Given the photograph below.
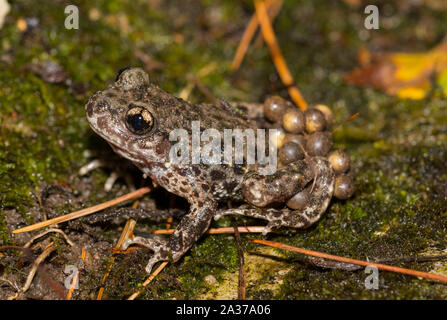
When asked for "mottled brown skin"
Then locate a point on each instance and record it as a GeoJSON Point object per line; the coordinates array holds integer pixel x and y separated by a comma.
{"type": "Point", "coordinates": [204, 186]}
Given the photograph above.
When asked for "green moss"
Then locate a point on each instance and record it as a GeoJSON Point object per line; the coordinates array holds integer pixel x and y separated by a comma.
{"type": "Point", "coordinates": [4, 235]}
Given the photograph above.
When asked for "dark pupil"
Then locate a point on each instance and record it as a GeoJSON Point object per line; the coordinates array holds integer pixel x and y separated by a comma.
{"type": "Point", "coordinates": [138, 123]}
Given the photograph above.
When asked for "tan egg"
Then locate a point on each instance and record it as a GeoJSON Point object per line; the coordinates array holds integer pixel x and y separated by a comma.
{"type": "Point", "coordinates": [327, 112]}
{"type": "Point", "coordinates": [275, 107]}
{"type": "Point", "coordinates": [290, 152]}
{"type": "Point", "coordinates": [319, 143]}
{"type": "Point", "coordinates": [279, 138]}
{"type": "Point", "coordinates": [340, 161]}
{"type": "Point", "coordinates": [315, 120]}
{"type": "Point", "coordinates": [344, 187]}
{"type": "Point", "coordinates": [293, 121]}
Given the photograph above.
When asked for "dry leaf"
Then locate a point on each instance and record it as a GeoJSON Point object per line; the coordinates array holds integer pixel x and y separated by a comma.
{"type": "Point", "coordinates": [407, 75]}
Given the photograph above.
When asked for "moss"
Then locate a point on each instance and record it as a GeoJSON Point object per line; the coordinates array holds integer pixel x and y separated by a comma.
{"type": "Point", "coordinates": [214, 255]}
{"type": "Point", "coordinates": [5, 239]}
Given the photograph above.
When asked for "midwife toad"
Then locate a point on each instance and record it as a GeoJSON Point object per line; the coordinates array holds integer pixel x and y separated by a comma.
{"type": "Point", "coordinates": [136, 117]}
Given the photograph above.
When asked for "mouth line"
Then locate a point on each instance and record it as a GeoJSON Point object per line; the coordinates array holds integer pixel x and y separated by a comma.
{"type": "Point", "coordinates": [120, 147]}
{"type": "Point", "coordinates": [108, 137]}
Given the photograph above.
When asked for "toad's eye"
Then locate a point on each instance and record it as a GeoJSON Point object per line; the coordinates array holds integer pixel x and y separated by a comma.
{"type": "Point", "coordinates": [138, 120]}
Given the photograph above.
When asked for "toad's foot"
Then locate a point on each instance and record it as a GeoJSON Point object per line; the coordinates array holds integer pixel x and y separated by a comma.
{"type": "Point", "coordinates": [320, 198]}
{"type": "Point", "coordinates": [156, 245]}
{"type": "Point", "coordinates": [189, 230]}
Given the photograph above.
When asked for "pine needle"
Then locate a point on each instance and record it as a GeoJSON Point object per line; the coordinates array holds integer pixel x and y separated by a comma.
{"type": "Point", "coordinates": [84, 212]}
{"type": "Point", "coordinates": [278, 59]}
{"type": "Point", "coordinates": [414, 273]}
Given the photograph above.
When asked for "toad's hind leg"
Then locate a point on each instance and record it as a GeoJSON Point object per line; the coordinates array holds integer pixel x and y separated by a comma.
{"type": "Point", "coordinates": [263, 190]}
{"type": "Point", "coordinates": [190, 229]}
{"type": "Point", "coordinates": [321, 195]}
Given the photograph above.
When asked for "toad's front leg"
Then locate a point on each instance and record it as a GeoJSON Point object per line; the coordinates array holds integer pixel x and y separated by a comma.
{"type": "Point", "coordinates": [192, 226]}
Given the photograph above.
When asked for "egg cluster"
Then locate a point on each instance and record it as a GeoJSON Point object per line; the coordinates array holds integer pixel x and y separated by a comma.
{"type": "Point", "coordinates": [307, 134]}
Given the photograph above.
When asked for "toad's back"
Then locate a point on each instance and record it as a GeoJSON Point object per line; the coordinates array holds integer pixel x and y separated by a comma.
{"type": "Point", "coordinates": [136, 120]}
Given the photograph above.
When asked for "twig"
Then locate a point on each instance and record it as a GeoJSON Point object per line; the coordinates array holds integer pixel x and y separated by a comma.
{"type": "Point", "coordinates": [72, 285]}
{"type": "Point", "coordinates": [273, 11]}
{"type": "Point", "coordinates": [45, 253]}
{"type": "Point", "coordinates": [379, 266]}
{"type": "Point", "coordinates": [204, 90]}
{"type": "Point", "coordinates": [242, 282]}
{"type": "Point", "coordinates": [203, 72]}
{"type": "Point", "coordinates": [149, 63]}
{"type": "Point", "coordinates": [12, 284]}
{"type": "Point", "coordinates": [91, 166]}
{"type": "Point", "coordinates": [329, 264]}
{"type": "Point", "coordinates": [84, 212]}
{"type": "Point", "coordinates": [246, 39]}
{"type": "Point", "coordinates": [76, 276]}
{"type": "Point", "coordinates": [48, 231]}
{"type": "Point", "coordinates": [126, 234]}
{"type": "Point", "coordinates": [355, 115]}
{"type": "Point", "coordinates": [186, 91]}
{"type": "Point", "coordinates": [278, 59]}
{"type": "Point", "coordinates": [42, 207]}
{"type": "Point", "coordinates": [148, 280]}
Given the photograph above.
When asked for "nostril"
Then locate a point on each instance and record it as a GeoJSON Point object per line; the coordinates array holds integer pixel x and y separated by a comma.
{"type": "Point", "coordinates": [93, 107]}
{"type": "Point", "coordinates": [102, 106]}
